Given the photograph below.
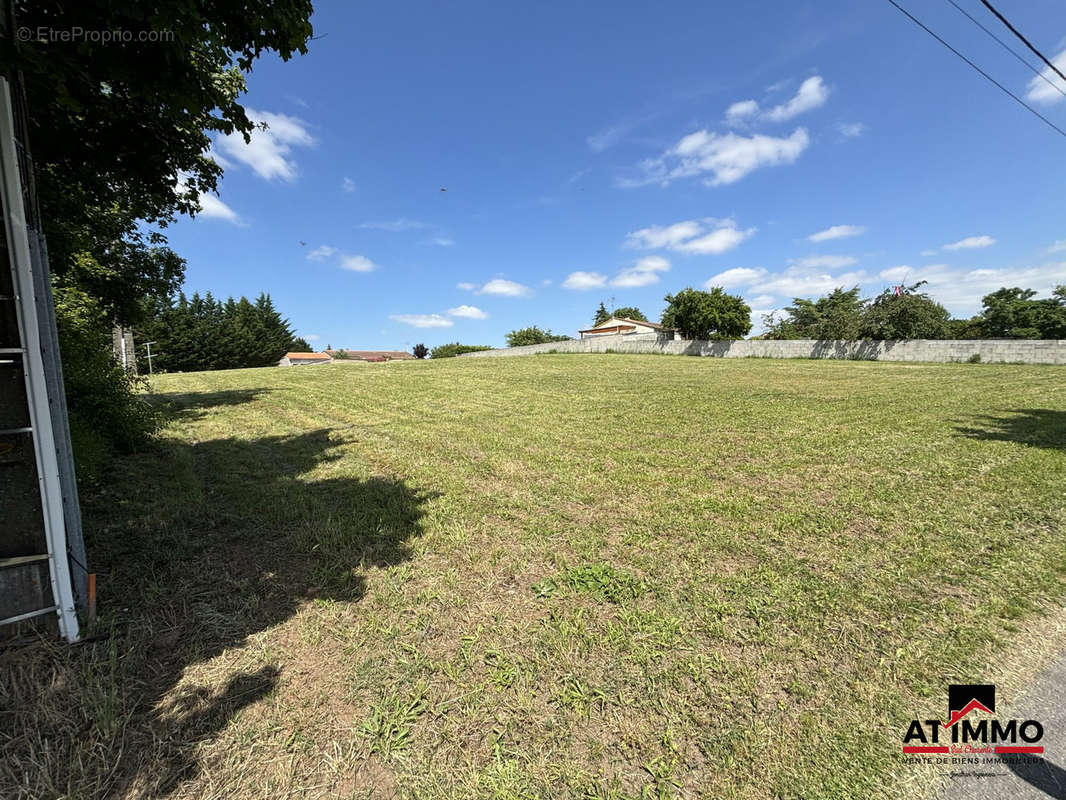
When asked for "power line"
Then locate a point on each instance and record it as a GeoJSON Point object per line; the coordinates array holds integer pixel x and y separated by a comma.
{"type": "Point", "coordinates": [1017, 33]}
{"type": "Point", "coordinates": [1040, 74]}
{"type": "Point", "coordinates": [987, 77]}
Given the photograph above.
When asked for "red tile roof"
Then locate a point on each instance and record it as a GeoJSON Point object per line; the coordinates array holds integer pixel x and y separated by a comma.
{"type": "Point", "coordinates": [307, 356]}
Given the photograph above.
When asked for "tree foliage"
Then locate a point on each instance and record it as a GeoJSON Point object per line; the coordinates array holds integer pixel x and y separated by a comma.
{"type": "Point", "coordinates": [455, 349]}
{"type": "Point", "coordinates": [420, 350]}
{"type": "Point", "coordinates": [1015, 314]}
{"type": "Point", "coordinates": [715, 314]}
{"type": "Point", "coordinates": [602, 315]}
{"type": "Point", "coordinates": [300, 345]}
{"type": "Point", "coordinates": [908, 314]}
{"type": "Point", "coordinates": [532, 335]}
{"type": "Point", "coordinates": [837, 315]}
{"type": "Point", "coordinates": [202, 333]}
{"type": "Point", "coordinates": [629, 312]}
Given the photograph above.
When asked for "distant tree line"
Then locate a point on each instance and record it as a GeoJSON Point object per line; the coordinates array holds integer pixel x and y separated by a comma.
{"type": "Point", "coordinates": [202, 333]}
{"type": "Point", "coordinates": [533, 335]}
{"type": "Point", "coordinates": [904, 312]}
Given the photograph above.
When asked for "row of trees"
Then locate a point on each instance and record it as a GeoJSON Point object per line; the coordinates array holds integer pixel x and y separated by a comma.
{"type": "Point", "coordinates": [907, 313]}
{"type": "Point", "coordinates": [201, 333]}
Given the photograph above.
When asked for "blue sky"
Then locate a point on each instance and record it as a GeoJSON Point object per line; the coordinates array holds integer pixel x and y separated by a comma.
{"type": "Point", "coordinates": [616, 150]}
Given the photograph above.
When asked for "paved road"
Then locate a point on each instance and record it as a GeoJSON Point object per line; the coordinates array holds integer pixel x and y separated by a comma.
{"type": "Point", "coordinates": [1045, 701]}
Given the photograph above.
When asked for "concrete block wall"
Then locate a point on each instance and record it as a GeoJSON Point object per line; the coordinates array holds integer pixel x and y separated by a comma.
{"type": "Point", "coordinates": [1025, 351]}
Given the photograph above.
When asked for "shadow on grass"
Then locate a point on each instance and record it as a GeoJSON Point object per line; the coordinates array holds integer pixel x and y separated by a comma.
{"type": "Point", "coordinates": [192, 405]}
{"type": "Point", "coordinates": [1036, 427]}
{"type": "Point", "coordinates": [198, 547]}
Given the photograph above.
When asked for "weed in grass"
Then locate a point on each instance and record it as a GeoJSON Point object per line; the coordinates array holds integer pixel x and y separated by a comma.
{"type": "Point", "coordinates": [600, 581]}
{"type": "Point", "coordinates": [388, 726]}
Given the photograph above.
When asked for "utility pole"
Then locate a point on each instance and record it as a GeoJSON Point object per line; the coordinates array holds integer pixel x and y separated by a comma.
{"type": "Point", "coordinates": [148, 345]}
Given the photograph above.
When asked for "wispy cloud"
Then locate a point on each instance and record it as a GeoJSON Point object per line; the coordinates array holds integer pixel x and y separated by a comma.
{"type": "Point", "coordinates": [726, 157]}
{"type": "Point", "coordinates": [442, 241]}
{"type": "Point", "coordinates": [837, 232]}
{"type": "Point", "coordinates": [321, 253]}
{"type": "Point", "coordinates": [1056, 247]}
{"type": "Point", "coordinates": [708, 236]}
{"type": "Point", "coordinates": [811, 94]}
{"type": "Point", "coordinates": [396, 225]}
{"type": "Point", "coordinates": [499, 286]}
{"type": "Point", "coordinates": [1045, 87]}
{"type": "Point", "coordinates": [971, 243]}
{"type": "Point", "coordinates": [268, 151]}
{"type": "Point", "coordinates": [828, 262]}
{"type": "Point", "coordinates": [468, 312]}
{"type": "Point", "coordinates": [581, 280]}
{"type": "Point", "coordinates": [358, 263]}
{"type": "Point", "coordinates": [466, 286]}
{"type": "Point", "coordinates": [851, 130]}
{"type": "Point", "coordinates": [348, 185]}
{"type": "Point", "coordinates": [422, 320]}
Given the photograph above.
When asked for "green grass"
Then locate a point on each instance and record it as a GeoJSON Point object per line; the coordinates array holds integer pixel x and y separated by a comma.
{"type": "Point", "coordinates": [598, 577]}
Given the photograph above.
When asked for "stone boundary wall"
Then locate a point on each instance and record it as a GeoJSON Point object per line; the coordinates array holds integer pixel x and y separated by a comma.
{"type": "Point", "coordinates": [1024, 351]}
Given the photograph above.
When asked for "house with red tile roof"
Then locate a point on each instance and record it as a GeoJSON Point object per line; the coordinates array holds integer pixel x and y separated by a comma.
{"type": "Point", "coordinates": [300, 359]}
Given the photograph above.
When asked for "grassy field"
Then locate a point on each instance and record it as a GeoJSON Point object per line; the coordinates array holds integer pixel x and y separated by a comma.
{"type": "Point", "coordinates": [560, 576]}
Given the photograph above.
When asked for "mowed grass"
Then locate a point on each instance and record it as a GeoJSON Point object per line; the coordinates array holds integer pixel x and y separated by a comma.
{"type": "Point", "coordinates": [561, 576]}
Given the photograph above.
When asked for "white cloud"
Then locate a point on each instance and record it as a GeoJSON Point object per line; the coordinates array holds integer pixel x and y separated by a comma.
{"type": "Point", "coordinates": [466, 286]}
{"type": "Point", "coordinates": [708, 236]}
{"type": "Point", "coordinates": [268, 150]}
{"type": "Point", "coordinates": [422, 320]}
{"type": "Point", "coordinates": [763, 302]}
{"type": "Point", "coordinates": [828, 262]}
{"type": "Point", "coordinates": [741, 111]}
{"type": "Point", "coordinates": [213, 208]}
{"type": "Point", "coordinates": [357, 263]}
{"type": "Point", "coordinates": [396, 225]}
{"type": "Point", "coordinates": [504, 287]}
{"type": "Point", "coordinates": [321, 253]}
{"type": "Point", "coordinates": [971, 242]}
{"type": "Point", "coordinates": [738, 276]}
{"type": "Point", "coordinates": [797, 281]}
{"type": "Point", "coordinates": [927, 253]}
{"type": "Point", "coordinates": [644, 273]}
{"type": "Point", "coordinates": [1056, 247]}
{"type": "Point", "coordinates": [897, 273]}
{"type": "Point", "coordinates": [1040, 91]}
{"type": "Point", "coordinates": [837, 232]}
{"type": "Point", "coordinates": [348, 185]}
{"type": "Point", "coordinates": [468, 312]}
{"type": "Point", "coordinates": [584, 280]}
{"type": "Point", "coordinates": [312, 337]}
{"type": "Point", "coordinates": [728, 157]}
{"type": "Point", "coordinates": [812, 93]}
{"type": "Point", "coordinates": [850, 130]}
{"type": "Point", "coordinates": [442, 241]}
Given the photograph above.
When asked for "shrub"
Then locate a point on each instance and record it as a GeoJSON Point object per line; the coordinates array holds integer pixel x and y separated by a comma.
{"type": "Point", "coordinates": [107, 410]}
{"type": "Point", "coordinates": [455, 349]}
{"type": "Point", "coordinates": [533, 335]}
{"type": "Point", "coordinates": [420, 350]}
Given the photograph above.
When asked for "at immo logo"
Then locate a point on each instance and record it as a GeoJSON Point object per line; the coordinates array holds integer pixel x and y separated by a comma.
{"type": "Point", "coordinates": [972, 727]}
